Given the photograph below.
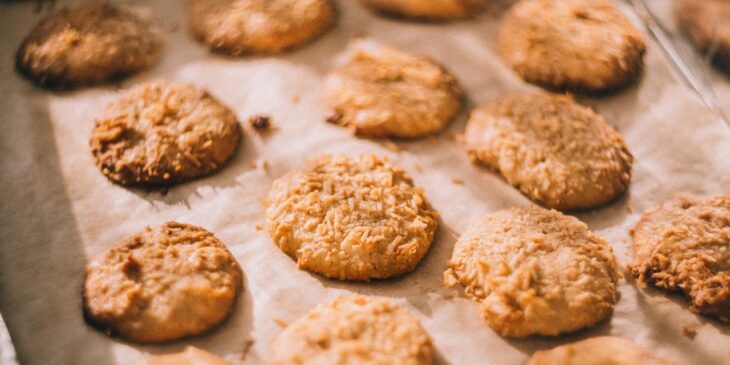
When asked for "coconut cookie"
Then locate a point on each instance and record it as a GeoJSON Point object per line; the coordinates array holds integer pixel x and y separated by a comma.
{"type": "Point", "coordinates": [557, 152]}
{"type": "Point", "coordinates": [539, 40]}
{"type": "Point", "coordinates": [167, 282]}
{"type": "Point", "coordinates": [92, 44]}
{"type": "Point", "coordinates": [707, 23]}
{"type": "Point", "coordinates": [427, 10]}
{"type": "Point", "coordinates": [598, 351]}
{"type": "Point", "coordinates": [535, 272]}
{"type": "Point", "coordinates": [351, 218]}
{"type": "Point", "coordinates": [379, 91]}
{"type": "Point", "coordinates": [354, 330]}
{"type": "Point", "coordinates": [684, 246]}
{"type": "Point", "coordinates": [162, 133]}
{"type": "Point", "coordinates": [258, 26]}
{"type": "Point", "coordinates": [191, 356]}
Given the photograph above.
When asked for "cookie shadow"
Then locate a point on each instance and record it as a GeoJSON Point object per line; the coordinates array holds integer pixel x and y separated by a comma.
{"type": "Point", "coordinates": [538, 343]}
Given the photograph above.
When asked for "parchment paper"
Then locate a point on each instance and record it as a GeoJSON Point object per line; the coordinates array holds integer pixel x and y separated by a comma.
{"type": "Point", "coordinates": [57, 209]}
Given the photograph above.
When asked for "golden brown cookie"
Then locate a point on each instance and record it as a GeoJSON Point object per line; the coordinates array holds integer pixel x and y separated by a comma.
{"type": "Point", "coordinates": [258, 26]}
{"type": "Point", "coordinates": [535, 272]}
{"type": "Point", "coordinates": [379, 91]}
{"type": "Point", "coordinates": [191, 356]}
{"type": "Point", "coordinates": [91, 44]}
{"type": "Point", "coordinates": [557, 152]}
{"type": "Point", "coordinates": [427, 10]}
{"type": "Point", "coordinates": [167, 282]}
{"type": "Point", "coordinates": [350, 218]}
{"type": "Point", "coordinates": [580, 45]}
{"type": "Point", "coordinates": [707, 23]}
{"type": "Point", "coordinates": [354, 330]}
{"type": "Point", "coordinates": [683, 246]}
{"type": "Point", "coordinates": [162, 133]}
{"type": "Point", "coordinates": [598, 351]}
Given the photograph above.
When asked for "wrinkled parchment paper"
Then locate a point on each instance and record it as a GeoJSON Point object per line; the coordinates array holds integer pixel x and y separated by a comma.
{"type": "Point", "coordinates": [57, 209]}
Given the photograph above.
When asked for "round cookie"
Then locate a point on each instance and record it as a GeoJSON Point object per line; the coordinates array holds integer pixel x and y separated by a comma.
{"type": "Point", "coordinates": [707, 23]}
{"type": "Point", "coordinates": [258, 26]}
{"type": "Point", "coordinates": [191, 356]}
{"type": "Point", "coordinates": [557, 152]}
{"type": "Point", "coordinates": [539, 40]}
{"type": "Point", "coordinates": [165, 283]}
{"type": "Point", "coordinates": [535, 272]}
{"type": "Point", "coordinates": [427, 10]}
{"type": "Point", "coordinates": [92, 44]}
{"type": "Point", "coordinates": [351, 218]}
{"type": "Point", "coordinates": [597, 351]}
{"type": "Point", "coordinates": [354, 330]}
{"type": "Point", "coordinates": [379, 91]}
{"type": "Point", "coordinates": [162, 133]}
{"type": "Point", "coordinates": [683, 246]}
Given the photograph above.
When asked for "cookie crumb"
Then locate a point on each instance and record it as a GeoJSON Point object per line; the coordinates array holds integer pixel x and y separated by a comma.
{"type": "Point", "coordinates": [260, 122]}
{"type": "Point", "coordinates": [334, 117]}
{"type": "Point", "coordinates": [246, 348]}
{"type": "Point", "coordinates": [457, 181]}
{"type": "Point", "coordinates": [282, 323]}
{"type": "Point", "coordinates": [629, 209]}
{"type": "Point", "coordinates": [417, 167]}
{"type": "Point", "coordinates": [295, 99]}
{"type": "Point", "coordinates": [259, 227]}
{"type": "Point", "coordinates": [688, 331]}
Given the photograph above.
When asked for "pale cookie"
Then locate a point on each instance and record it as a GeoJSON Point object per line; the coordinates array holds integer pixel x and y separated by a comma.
{"type": "Point", "coordinates": [92, 44]}
{"type": "Point", "coordinates": [598, 351]}
{"type": "Point", "coordinates": [707, 23]}
{"type": "Point", "coordinates": [351, 218]}
{"type": "Point", "coordinates": [162, 133]}
{"type": "Point", "coordinates": [379, 91]}
{"type": "Point", "coordinates": [191, 356]}
{"type": "Point", "coordinates": [557, 152]}
{"type": "Point", "coordinates": [258, 26]}
{"type": "Point", "coordinates": [535, 272]}
{"type": "Point", "coordinates": [683, 246]}
{"type": "Point", "coordinates": [427, 10]}
{"type": "Point", "coordinates": [167, 282]}
{"type": "Point", "coordinates": [581, 45]}
{"type": "Point", "coordinates": [354, 330]}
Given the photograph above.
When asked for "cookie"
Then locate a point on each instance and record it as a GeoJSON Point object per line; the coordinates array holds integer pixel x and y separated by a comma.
{"type": "Point", "coordinates": [427, 10]}
{"type": "Point", "coordinates": [354, 330]}
{"type": "Point", "coordinates": [91, 44]}
{"type": "Point", "coordinates": [351, 218]}
{"type": "Point", "coordinates": [379, 91]}
{"type": "Point", "coordinates": [707, 23]}
{"type": "Point", "coordinates": [557, 152]}
{"type": "Point", "coordinates": [535, 272]}
{"type": "Point", "coordinates": [683, 246]}
{"type": "Point", "coordinates": [191, 356]}
{"type": "Point", "coordinates": [538, 40]}
{"type": "Point", "coordinates": [597, 351]}
{"type": "Point", "coordinates": [258, 26]}
{"type": "Point", "coordinates": [165, 283]}
{"type": "Point", "coordinates": [162, 133]}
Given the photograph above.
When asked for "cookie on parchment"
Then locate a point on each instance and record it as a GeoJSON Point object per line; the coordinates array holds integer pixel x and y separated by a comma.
{"type": "Point", "coordinates": [162, 133]}
{"type": "Point", "coordinates": [354, 330]}
{"type": "Point", "coordinates": [598, 351]}
{"type": "Point", "coordinates": [91, 44]}
{"type": "Point", "coordinates": [191, 356]}
{"type": "Point", "coordinates": [165, 283]}
{"type": "Point", "coordinates": [427, 10]}
{"type": "Point", "coordinates": [351, 218]}
{"type": "Point", "coordinates": [379, 91]}
{"type": "Point", "coordinates": [258, 26]}
{"type": "Point", "coordinates": [683, 245]}
{"type": "Point", "coordinates": [535, 272]}
{"type": "Point", "coordinates": [557, 152]}
{"type": "Point", "coordinates": [707, 23]}
{"type": "Point", "coordinates": [579, 45]}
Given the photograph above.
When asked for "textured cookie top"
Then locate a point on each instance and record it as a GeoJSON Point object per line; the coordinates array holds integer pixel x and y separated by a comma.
{"type": "Point", "coordinates": [557, 152]}
{"type": "Point", "coordinates": [598, 351]}
{"type": "Point", "coordinates": [191, 356]}
{"type": "Point", "coordinates": [707, 22]}
{"type": "Point", "coordinates": [684, 245]}
{"type": "Point", "coordinates": [427, 10]}
{"type": "Point", "coordinates": [160, 133]}
{"type": "Point", "coordinates": [91, 44]}
{"type": "Point", "coordinates": [535, 271]}
{"type": "Point", "coordinates": [165, 283]}
{"type": "Point", "coordinates": [266, 26]}
{"type": "Point", "coordinates": [351, 218]}
{"type": "Point", "coordinates": [379, 91]}
{"type": "Point", "coordinates": [583, 45]}
{"type": "Point", "coordinates": [354, 330]}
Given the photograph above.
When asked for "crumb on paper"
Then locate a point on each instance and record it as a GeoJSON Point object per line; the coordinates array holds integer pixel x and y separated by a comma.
{"type": "Point", "coordinates": [295, 99]}
{"type": "Point", "coordinates": [246, 348]}
{"type": "Point", "coordinates": [261, 165]}
{"type": "Point", "coordinates": [629, 209]}
{"type": "Point", "coordinates": [259, 227]}
{"type": "Point", "coordinates": [392, 146]}
{"type": "Point", "coordinates": [417, 167]}
{"type": "Point", "coordinates": [260, 122]}
{"type": "Point", "coordinates": [457, 181]}
{"type": "Point", "coordinates": [689, 331]}
{"type": "Point", "coordinates": [334, 117]}
{"type": "Point", "coordinates": [282, 323]}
